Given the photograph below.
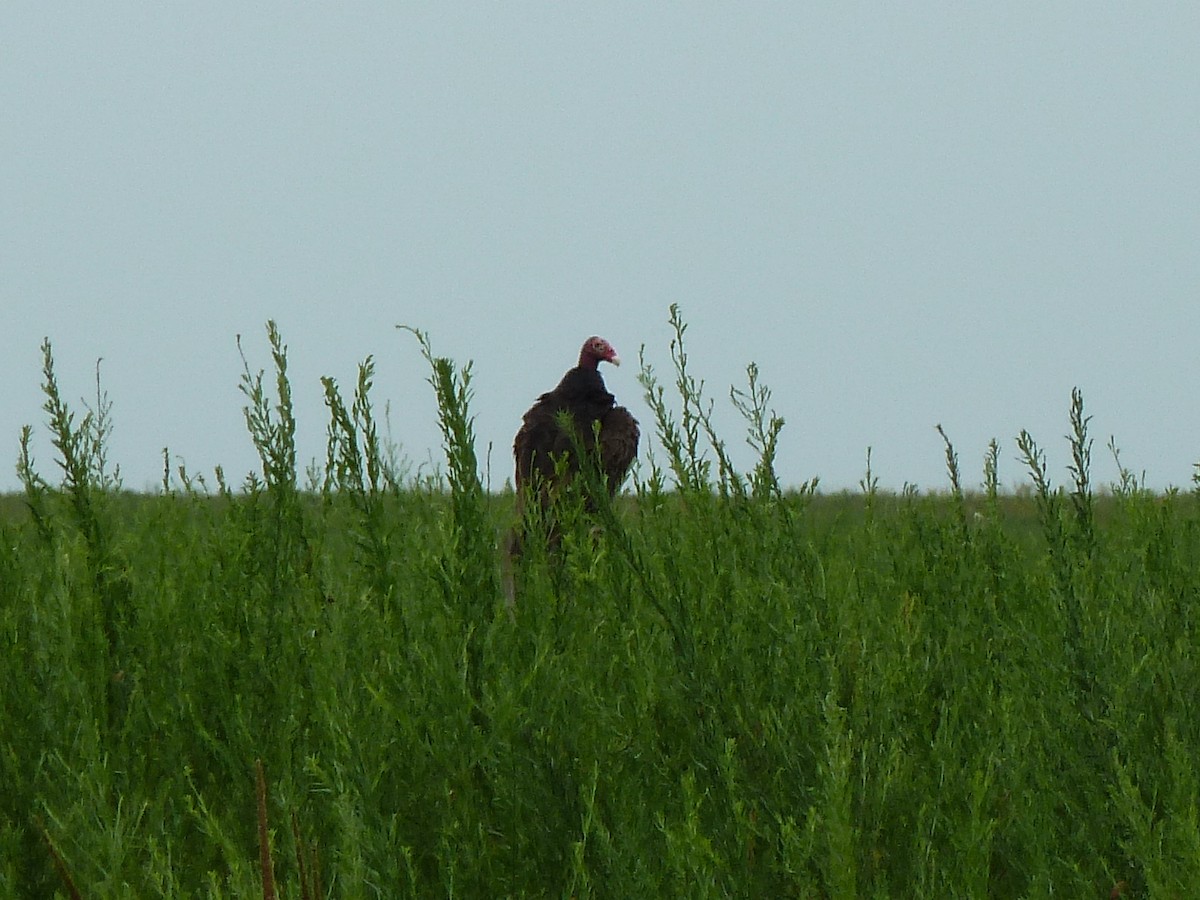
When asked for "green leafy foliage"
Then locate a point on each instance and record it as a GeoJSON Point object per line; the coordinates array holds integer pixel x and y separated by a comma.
{"type": "Point", "coordinates": [712, 686]}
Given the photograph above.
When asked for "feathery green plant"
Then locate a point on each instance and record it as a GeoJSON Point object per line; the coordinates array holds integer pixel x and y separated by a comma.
{"type": "Point", "coordinates": [468, 569]}
{"type": "Point", "coordinates": [357, 470]}
{"type": "Point", "coordinates": [763, 428]}
{"type": "Point", "coordinates": [728, 688]}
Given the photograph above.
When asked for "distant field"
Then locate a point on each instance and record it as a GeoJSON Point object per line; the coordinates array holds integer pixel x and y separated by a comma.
{"type": "Point", "coordinates": [715, 688]}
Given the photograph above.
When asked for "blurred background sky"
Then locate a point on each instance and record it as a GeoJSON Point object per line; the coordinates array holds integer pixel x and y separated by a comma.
{"type": "Point", "coordinates": [905, 214]}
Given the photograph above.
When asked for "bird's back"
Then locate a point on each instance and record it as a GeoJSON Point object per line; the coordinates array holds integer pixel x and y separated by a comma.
{"type": "Point", "coordinates": [541, 440]}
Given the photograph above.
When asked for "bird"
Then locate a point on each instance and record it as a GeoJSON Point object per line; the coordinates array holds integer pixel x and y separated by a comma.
{"type": "Point", "coordinates": [581, 393]}
{"type": "Point", "coordinates": [544, 451]}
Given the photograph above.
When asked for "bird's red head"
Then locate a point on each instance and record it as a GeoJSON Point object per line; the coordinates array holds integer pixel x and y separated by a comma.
{"type": "Point", "coordinates": [595, 351]}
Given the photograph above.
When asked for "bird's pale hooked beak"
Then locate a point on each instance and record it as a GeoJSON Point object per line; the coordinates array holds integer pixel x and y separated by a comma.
{"type": "Point", "coordinates": [615, 360]}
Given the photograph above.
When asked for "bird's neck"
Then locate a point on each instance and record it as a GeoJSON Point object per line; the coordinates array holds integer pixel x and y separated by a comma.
{"type": "Point", "coordinates": [588, 362]}
{"type": "Point", "coordinates": [581, 382]}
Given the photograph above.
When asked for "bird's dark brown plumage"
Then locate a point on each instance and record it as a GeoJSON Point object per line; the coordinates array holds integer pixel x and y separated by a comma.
{"type": "Point", "coordinates": [581, 393]}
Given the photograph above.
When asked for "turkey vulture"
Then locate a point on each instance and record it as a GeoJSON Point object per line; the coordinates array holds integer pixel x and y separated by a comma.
{"type": "Point", "coordinates": [541, 439]}
{"type": "Point", "coordinates": [582, 394]}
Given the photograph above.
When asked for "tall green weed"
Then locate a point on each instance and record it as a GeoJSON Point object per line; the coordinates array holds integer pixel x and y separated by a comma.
{"type": "Point", "coordinates": [712, 685]}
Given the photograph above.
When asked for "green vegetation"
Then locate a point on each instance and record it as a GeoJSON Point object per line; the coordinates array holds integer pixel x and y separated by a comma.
{"type": "Point", "coordinates": [725, 690]}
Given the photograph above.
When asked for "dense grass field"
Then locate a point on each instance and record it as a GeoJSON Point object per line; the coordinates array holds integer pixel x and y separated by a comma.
{"type": "Point", "coordinates": [715, 688]}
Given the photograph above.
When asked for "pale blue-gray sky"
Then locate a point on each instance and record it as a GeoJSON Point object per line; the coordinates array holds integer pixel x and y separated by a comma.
{"type": "Point", "coordinates": [906, 214]}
